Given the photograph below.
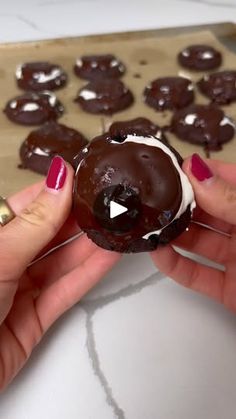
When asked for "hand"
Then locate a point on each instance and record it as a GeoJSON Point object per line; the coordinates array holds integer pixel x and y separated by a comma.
{"type": "Point", "coordinates": [32, 299]}
{"type": "Point", "coordinates": [214, 184]}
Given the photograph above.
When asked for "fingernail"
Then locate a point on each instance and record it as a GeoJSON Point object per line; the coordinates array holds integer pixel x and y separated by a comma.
{"type": "Point", "coordinates": [56, 174]}
{"type": "Point", "coordinates": [199, 168]}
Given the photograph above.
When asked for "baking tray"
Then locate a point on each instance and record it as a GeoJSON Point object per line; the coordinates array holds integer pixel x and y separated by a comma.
{"type": "Point", "coordinates": [157, 48]}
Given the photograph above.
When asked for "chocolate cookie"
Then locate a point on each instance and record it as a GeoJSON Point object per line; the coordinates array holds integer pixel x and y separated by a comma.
{"type": "Point", "coordinates": [130, 194]}
{"type": "Point", "coordinates": [219, 87]}
{"type": "Point", "coordinates": [93, 67]}
{"type": "Point", "coordinates": [39, 76]}
{"type": "Point", "coordinates": [200, 58]}
{"type": "Point", "coordinates": [137, 126]}
{"type": "Point", "coordinates": [52, 139]}
{"type": "Point", "coordinates": [104, 96]}
{"type": "Point", "coordinates": [34, 108]}
{"type": "Point", "coordinates": [169, 93]}
{"type": "Point", "coordinates": [205, 125]}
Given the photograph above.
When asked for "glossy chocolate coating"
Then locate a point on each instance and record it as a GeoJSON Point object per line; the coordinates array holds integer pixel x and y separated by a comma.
{"type": "Point", "coordinates": [34, 108]}
{"type": "Point", "coordinates": [39, 76]}
{"type": "Point", "coordinates": [219, 87]}
{"type": "Point", "coordinates": [169, 93]}
{"type": "Point", "coordinates": [137, 176]}
{"type": "Point", "coordinates": [200, 58]}
{"type": "Point", "coordinates": [93, 67]}
{"type": "Point", "coordinates": [104, 97]}
{"type": "Point", "coordinates": [52, 139]}
{"type": "Point", "coordinates": [205, 125]}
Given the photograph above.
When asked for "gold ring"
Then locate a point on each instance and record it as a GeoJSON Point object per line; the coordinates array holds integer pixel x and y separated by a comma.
{"type": "Point", "coordinates": [6, 213]}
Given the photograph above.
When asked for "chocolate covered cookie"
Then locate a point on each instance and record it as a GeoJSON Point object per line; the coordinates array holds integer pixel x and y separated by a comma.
{"type": "Point", "coordinates": [130, 194]}
{"type": "Point", "coordinates": [200, 58]}
{"type": "Point", "coordinates": [93, 67]}
{"type": "Point", "coordinates": [52, 139]}
{"type": "Point", "coordinates": [104, 97]}
{"type": "Point", "coordinates": [34, 108]}
{"type": "Point", "coordinates": [204, 125]}
{"type": "Point", "coordinates": [169, 93]}
{"type": "Point", "coordinates": [219, 87]}
{"type": "Point", "coordinates": [39, 76]}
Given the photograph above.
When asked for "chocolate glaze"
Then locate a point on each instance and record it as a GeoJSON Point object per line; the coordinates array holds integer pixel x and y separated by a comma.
{"type": "Point", "coordinates": [137, 126]}
{"type": "Point", "coordinates": [200, 57]}
{"type": "Point", "coordinates": [205, 125]}
{"type": "Point", "coordinates": [169, 93]}
{"type": "Point", "coordinates": [52, 139]}
{"type": "Point", "coordinates": [93, 67]}
{"type": "Point", "coordinates": [34, 108]}
{"type": "Point", "coordinates": [39, 76]}
{"type": "Point", "coordinates": [138, 176]}
{"type": "Point", "coordinates": [104, 96]}
{"type": "Point", "coordinates": [219, 87]}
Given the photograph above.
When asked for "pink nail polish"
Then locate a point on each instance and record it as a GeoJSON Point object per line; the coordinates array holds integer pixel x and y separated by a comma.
{"type": "Point", "coordinates": [199, 168]}
{"type": "Point", "coordinates": [56, 174]}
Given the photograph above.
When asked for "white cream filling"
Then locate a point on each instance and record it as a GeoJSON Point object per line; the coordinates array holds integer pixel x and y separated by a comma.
{"type": "Point", "coordinates": [40, 152]}
{"type": "Point", "coordinates": [114, 63]}
{"type": "Point", "coordinates": [42, 77]}
{"type": "Point", "coordinates": [87, 94]}
{"type": "Point", "coordinates": [51, 97]}
{"type": "Point", "coordinates": [13, 104]}
{"type": "Point", "coordinates": [30, 107]}
{"type": "Point", "coordinates": [227, 121]}
{"type": "Point", "coordinates": [207, 55]}
{"type": "Point", "coordinates": [19, 71]}
{"type": "Point", "coordinates": [186, 53]}
{"type": "Point", "coordinates": [190, 118]}
{"type": "Point", "coordinates": [79, 62]}
{"type": "Point", "coordinates": [187, 190]}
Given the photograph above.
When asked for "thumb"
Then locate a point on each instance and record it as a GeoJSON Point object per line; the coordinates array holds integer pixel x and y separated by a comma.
{"type": "Point", "coordinates": [26, 235]}
{"type": "Point", "coordinates": [213, 194]}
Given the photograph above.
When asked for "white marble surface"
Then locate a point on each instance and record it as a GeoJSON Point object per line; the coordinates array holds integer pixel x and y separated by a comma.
{"type": "Point", "coordinates": [138, 346]}
{"type": "Point", "coordinates": [34, 19]}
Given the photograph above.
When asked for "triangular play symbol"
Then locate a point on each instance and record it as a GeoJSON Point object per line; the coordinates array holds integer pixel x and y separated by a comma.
{"type": "Point", "coordinates": [116, 209]}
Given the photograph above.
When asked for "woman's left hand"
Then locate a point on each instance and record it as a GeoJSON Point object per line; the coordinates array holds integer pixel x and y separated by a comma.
{"type": "Point", "coordinates": [32, 299]}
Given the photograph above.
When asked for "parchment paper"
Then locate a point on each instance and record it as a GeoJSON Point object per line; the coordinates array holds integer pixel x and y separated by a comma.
{"type": "Point", "coordinates": [160, 57]}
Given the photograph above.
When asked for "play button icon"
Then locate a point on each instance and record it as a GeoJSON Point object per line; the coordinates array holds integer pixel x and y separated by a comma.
{"type": "Point", "coordinates": [116, 209]}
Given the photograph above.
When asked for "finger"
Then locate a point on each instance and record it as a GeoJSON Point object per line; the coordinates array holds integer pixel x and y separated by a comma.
{"type": "Point", "coordinates": [226, 171]}
{"type": "Point", "coordinates": [205, 243]}
{"type": "Point", "coordinates": [203, 217]}
{"type": "Point", "coordinates": [213, 194]}
{"type": "Point", "coordinates": [68, 290]}
{"type": "Point", "coordinates": [62, 261]}
{"type": "Point", "coordinates": [23, 198]}
{"type": "Point", "coordinates": [24, 237]}
{"type": "Point", "coordinates": [190, 274]}
{"type": "Point", "coordinates": [68, 230]}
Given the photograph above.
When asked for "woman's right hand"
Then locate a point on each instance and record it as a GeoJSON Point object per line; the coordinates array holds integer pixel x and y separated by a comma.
{"type": "Point", "coordinates": [214, 184]}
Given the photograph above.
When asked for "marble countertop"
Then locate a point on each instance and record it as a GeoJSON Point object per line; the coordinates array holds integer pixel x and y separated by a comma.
{"type": "Point", "coordinates": [138, 346]}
